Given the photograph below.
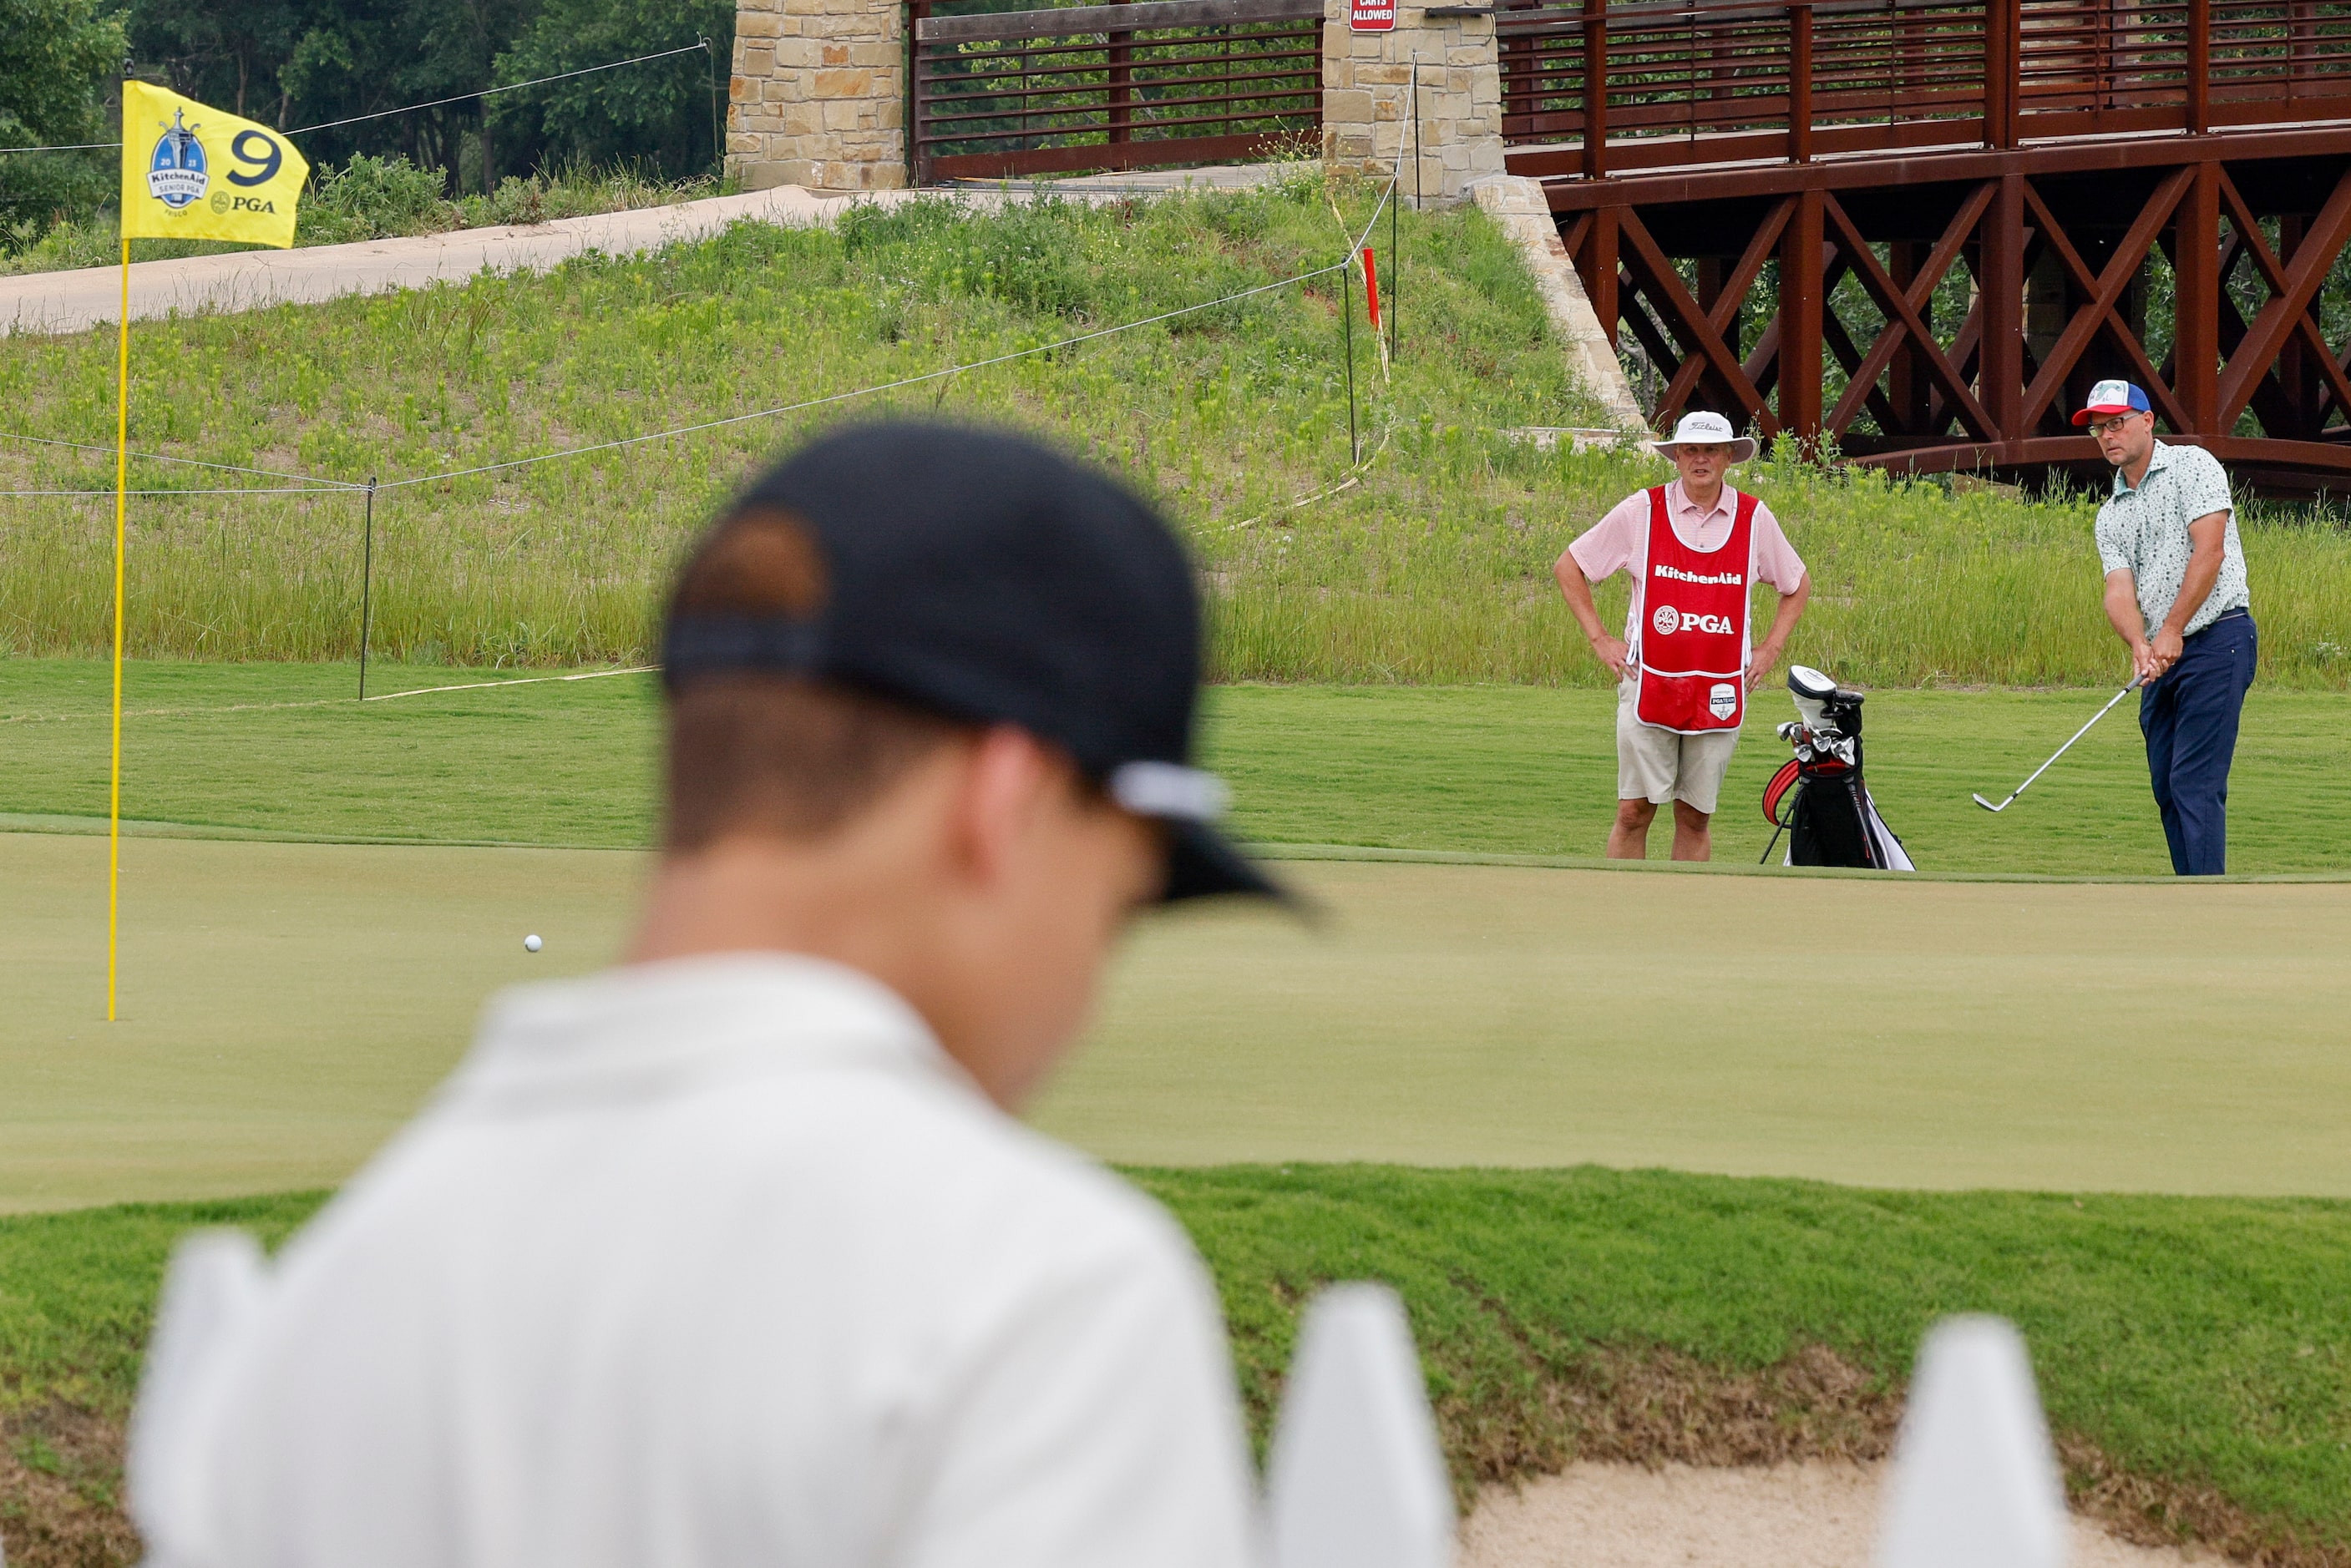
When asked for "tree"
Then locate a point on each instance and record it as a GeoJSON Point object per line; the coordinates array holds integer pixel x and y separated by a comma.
{"type": "Point", "coordinates": [223, 52]}
{"type": "Point", "coordinates": [659, 114]}
{"type": "Point", "coordinates": [57, 57]}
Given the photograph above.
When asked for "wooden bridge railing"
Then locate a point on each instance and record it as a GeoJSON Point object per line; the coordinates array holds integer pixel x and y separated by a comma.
{"type": "Point", "coordinates": [1749, 80]}
{"type": "Point", "coordinates": [999, 94]}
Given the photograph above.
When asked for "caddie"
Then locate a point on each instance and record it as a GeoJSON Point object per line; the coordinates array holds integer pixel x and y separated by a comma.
{"type": "Point", "coordinates": [2177, 596]}
{"type": "Point", "coordinates": [1694, 546]}
{"type": "Point", "coordinates": [737, 1253]}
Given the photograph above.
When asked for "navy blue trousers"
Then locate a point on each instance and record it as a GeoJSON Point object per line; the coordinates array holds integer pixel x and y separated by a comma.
{"type": "Point", "coordinates": [2189, 720]}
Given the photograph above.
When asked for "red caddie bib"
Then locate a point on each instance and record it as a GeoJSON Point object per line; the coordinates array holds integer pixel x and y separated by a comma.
{"type": "Point", "coordinates": [1694, 648]}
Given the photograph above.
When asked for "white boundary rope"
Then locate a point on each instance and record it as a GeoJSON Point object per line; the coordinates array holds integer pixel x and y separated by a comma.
{"type": "Point", "coordinates": [862, 391]}
{"type": "Point", "coordinates": [200, 711]}
{"type": "Point", "coordinates": [526, 680]}
{"type": "Point", "coordinates": [187, 461]}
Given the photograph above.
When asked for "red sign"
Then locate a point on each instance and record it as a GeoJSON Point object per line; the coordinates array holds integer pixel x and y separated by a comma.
{"type": "Point", "coordinates": [1371, 16]}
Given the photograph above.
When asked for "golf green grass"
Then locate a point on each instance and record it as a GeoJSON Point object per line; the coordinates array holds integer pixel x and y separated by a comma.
{"type": "Point", "coordinates": [2108, 1044]}
{"type": "Point", "coordinates": [2191, 1343]}
{"type": "Point", "coordinates": [281, 750]}
{"type": "Point", "coordinates": [284, 1006]}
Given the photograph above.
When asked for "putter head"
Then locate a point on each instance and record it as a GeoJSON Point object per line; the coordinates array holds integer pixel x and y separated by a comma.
{"type": "Point", "coordinates": [1989, 806]}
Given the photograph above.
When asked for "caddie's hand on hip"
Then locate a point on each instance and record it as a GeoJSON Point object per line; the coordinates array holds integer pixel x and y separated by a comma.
{"type": "Point", "coordinates": [1760, 663]}
{"type": "Point", "coordinates": [1613, 653]}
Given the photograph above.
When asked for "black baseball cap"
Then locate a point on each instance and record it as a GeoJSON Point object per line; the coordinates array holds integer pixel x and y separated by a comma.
{"type": "Point", "coordinates": [983, 576]}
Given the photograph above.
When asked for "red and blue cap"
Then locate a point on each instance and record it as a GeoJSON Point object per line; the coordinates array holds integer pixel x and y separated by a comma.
{"type": "Point", "coordinates": [2109, 398]}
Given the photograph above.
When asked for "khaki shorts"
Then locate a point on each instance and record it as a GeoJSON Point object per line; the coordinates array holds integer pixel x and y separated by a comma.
{"type": "Point", "coordinates": [1659, 766]}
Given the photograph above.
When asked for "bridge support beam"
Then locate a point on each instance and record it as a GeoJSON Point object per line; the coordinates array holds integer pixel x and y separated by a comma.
{"type": "Point", "coordinates": [2195, 317]}
{"type": "Point", "coordinates": [2053, 265]}
{"type": "Point", "coordinates": [1804, 305]}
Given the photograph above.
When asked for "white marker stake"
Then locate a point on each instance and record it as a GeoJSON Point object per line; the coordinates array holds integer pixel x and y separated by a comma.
{"type": "Point", "coordinates": [1355, 1479]}
{"type": "Point", "coordinates": [1975, 1481]}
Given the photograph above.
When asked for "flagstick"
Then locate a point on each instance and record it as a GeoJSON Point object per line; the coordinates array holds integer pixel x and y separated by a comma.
{"type": "Point", "coordinates": [121, 503]}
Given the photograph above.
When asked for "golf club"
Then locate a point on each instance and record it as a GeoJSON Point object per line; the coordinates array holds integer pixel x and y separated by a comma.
{"type": "Point", "coordinates": [2061, 751]}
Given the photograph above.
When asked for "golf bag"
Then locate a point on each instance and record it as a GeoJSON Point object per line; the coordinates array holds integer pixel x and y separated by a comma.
{"type": "Point", "coordinates": [1820, 798]}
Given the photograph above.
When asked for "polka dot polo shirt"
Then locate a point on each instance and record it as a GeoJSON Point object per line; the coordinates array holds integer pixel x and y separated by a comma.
{"type": "Point", "coordinates": [2144, 531]}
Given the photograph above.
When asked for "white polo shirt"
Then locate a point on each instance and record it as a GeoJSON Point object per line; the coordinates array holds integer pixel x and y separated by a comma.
{"type": "Point", "coordinates": [716, 1262]}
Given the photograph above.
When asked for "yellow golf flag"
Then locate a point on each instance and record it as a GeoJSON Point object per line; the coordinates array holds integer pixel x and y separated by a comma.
{"type": "Point", "coordinates": [190, 172]}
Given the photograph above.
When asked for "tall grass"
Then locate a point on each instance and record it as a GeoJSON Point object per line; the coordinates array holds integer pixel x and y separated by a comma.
{"type": "Point", "coordinates": [1442, 573]}
{"type": "Point", "coordinates": [1435, 565]}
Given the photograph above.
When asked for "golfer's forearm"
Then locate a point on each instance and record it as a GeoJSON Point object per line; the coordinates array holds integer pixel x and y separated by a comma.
{"type": "Point", "coordinates": [1576, 589]}
{"type": "Point", "coordinates": [2195, 587]}
{"type": "Point", "coordinates": [2122, 609]}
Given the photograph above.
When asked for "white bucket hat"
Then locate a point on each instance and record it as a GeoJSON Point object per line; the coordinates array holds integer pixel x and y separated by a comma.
{"type": "Point", "coordinates": [1707, 429]}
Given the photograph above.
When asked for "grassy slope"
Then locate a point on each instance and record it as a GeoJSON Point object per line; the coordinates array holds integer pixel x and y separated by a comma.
{"type": "Point", "coordinates": [1227, 412]}
{"type": "Point", "coordinates": [2192, 1341]}
{"type": "Point", "coordinates": [1435, 568]}
{"type": "Point", "coordinates": [1483, 770]}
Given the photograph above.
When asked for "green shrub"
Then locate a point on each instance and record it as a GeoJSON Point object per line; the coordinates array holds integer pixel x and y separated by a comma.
{"type": "Point", "coordinates": [372, 199]}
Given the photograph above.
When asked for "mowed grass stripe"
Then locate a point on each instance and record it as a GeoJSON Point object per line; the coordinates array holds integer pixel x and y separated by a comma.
{"type": "Point", "coordinates": [1478, 770]}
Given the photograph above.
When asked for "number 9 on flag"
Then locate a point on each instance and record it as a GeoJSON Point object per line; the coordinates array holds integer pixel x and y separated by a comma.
{"type": "Point", "coordinates": [192, 172]}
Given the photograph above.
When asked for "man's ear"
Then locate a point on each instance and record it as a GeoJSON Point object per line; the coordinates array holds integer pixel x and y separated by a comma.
{"type": "Point", "coordinates": [1007, 776]}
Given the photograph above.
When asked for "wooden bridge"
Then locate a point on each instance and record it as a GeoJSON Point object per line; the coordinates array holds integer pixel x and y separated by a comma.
{"type": "Point", "coordinates": [1919, 230]}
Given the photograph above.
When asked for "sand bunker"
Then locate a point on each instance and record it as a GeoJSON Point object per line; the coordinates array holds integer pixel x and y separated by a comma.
{"type": "Point", "coordinates": [1820, 1514]}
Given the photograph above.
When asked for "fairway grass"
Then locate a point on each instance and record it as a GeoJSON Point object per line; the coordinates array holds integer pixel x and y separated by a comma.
{"type": "Point", "coordinates": [285, 1005]}
{"type": "Point", "coordinates": [2192, 1354]}
{"type": "Point", "coordinates": [282, 749]}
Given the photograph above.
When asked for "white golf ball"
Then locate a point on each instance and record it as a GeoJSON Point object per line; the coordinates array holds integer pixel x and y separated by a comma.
{"type": "Point", "coordinates": [530, 944]}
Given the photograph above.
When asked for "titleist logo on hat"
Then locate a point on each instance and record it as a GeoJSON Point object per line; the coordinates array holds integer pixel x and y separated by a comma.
{"type": "Point", "coordinates": [1701, 428]}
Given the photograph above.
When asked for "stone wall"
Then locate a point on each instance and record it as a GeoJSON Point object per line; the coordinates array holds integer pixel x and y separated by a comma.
{"type": "Point", "coordinates": [1517, 205]}
{"type": "Point", "coordinates": [1367, 94]}
{"type": "Point", "coordinates": [819, 95]}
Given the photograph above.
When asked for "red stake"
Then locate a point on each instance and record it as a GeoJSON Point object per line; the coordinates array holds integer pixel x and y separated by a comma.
{"type": "Point", "coordinates": [1372, 288]}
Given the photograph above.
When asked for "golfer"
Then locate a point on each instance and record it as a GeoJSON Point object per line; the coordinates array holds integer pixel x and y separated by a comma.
{"type": "Point", "coordinates": [2176, 593]}
{"type": "Point", "coordinates": [1686, 661]}
{"type": "Point", "coordinates": [735, 1253]}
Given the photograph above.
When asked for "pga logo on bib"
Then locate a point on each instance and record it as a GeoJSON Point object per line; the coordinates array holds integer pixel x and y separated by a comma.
{"type": "Point", "coordinates": [1669, 620]}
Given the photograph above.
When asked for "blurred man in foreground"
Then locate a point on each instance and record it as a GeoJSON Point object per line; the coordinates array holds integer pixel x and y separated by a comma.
{"type": "Point", "coordinates": [735, 1254]}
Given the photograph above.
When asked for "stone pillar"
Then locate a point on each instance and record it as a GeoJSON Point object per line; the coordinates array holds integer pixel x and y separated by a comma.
{"type": "Point", "coordinates": [1367, 109]}
{"type": "Point", "coordinates": [819, 95]}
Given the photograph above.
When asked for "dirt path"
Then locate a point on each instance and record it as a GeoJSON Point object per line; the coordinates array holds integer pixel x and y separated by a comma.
{"type": "Point", "coordinates": [1819, 1515]}
{"type": "Point", "coordinates": [55, 302]}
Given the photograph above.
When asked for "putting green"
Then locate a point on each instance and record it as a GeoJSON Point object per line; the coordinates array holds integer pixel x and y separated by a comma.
{"type": "Point", "coordinates": [285, 1006]}
{"type": "Point", "coordinates": [282, 1006]}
